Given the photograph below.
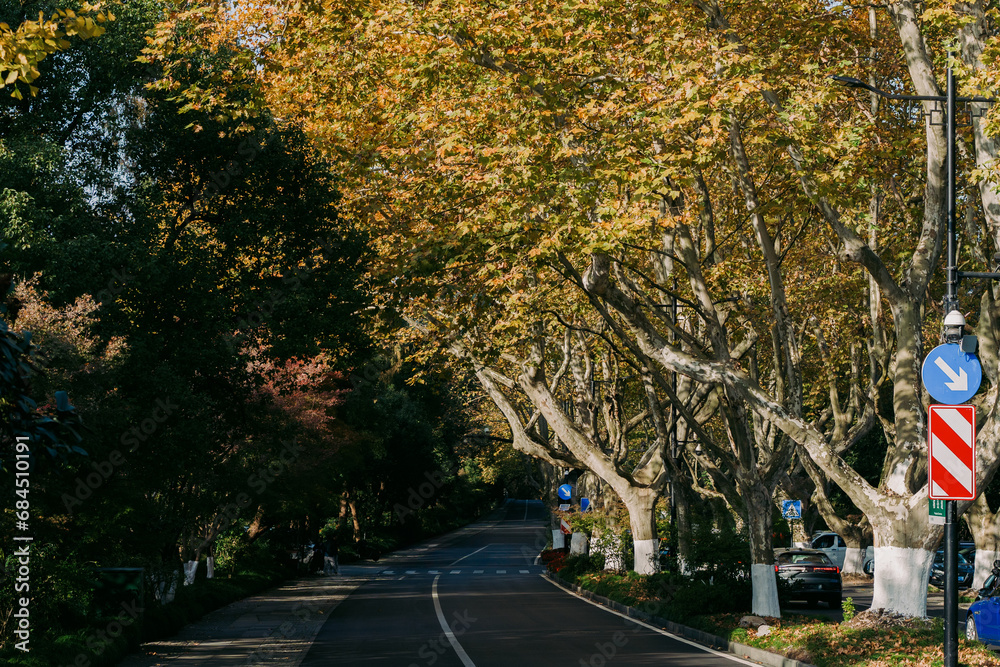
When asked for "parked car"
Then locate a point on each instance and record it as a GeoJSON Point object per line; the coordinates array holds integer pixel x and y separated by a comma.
{"type": "Point", "coordinates": [810, 575]}
{"type": "Point", "coordinates": [869, 562]}
{"type": "Point", "coordinates": [982, 623]}
{"type": "Point", "coordinates": [966, 571]}
{"type": "Point", "coordinates": [832, 545]}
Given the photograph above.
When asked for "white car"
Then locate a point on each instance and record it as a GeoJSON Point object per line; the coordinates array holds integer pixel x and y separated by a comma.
{"type": "Point", "coordinates": [832, 545]}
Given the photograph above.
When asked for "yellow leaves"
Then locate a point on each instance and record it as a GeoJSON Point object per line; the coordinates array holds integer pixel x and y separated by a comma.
{"type": "Point", "coordinates": [21, 50]}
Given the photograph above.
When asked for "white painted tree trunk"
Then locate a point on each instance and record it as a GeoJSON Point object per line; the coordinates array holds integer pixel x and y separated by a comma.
{"type": "Point", "coordinates": [854, 561]}
{"type": "Point", "coordinates": [578, 544]}
{"type": "Point", "coordinates": [765, 591]}
{"type": "Point", "coordinates": [166, 588]}
{"type": "Point", "coordinates": [984, 566]}
{"type": "Point", "coordinates": [209, 567]}
{"type": "Point", "coordinates": [610, 546]}
{"type": "Point", "coordinates": [901, 580]}
{"type": "Point", "coordinates": [647, 559]}
{"type": "Point", "coordinates": [558, 539]}
{"type": "Point", "coordinates": [757, 505]}
{"type": "Point", "coordinates": [190, 570]}
{"type": "Point", "coordinates": [641, 503]}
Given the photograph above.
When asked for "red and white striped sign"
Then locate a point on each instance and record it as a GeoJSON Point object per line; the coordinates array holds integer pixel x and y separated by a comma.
{"type": "Point", "coordinates": [952, 459]}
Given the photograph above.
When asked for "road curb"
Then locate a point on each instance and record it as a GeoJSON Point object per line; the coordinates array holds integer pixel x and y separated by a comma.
{"type": "Point", "coordinates": [711, 641]}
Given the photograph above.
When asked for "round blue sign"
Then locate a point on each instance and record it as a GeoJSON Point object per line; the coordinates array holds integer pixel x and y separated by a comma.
{"type": "Point", "coordinates": [950, 375]}
{"type": "Point", "coordinates": [565, 491]}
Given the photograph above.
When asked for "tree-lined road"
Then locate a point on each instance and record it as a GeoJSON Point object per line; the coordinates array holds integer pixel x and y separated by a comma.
{"type": "Point", "coordinates": [477, 598]}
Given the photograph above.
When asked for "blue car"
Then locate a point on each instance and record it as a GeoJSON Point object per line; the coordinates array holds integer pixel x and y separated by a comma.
{"type": "Point", "coordinates": [983, 620]}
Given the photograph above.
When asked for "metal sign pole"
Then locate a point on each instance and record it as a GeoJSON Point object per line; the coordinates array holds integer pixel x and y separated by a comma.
{"type": "Point", "coordinates": [950, 304]}
{"type": "Point", "coordinates": [950, 586]}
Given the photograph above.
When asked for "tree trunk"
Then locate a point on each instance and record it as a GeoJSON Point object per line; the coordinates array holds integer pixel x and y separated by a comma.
{"type": "Point", "coordinates": [641, 503]}
{"type": "Point", "coordinates": [800, 536]}
{"type": "Point", "coordinates": [903, 556]}
{"type": "Point", "coordinates": [683, 530]}
{"type": "Point", "coordinates": [857, 544]}
{"type": "Point", "coordinates": [759, 508]}
{"type": "Point", "coordinates": [985, 527]}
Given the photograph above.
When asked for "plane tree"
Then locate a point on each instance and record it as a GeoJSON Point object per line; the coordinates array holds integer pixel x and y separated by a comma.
{"type": "Point", "coordinates": [490, 142]}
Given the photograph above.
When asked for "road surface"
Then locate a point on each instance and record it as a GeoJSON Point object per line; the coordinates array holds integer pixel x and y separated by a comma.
{"type": "Point", "coordinates": [476, 598]}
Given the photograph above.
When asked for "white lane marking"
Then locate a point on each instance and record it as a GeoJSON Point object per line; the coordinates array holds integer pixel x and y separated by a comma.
{"type": "Point", "coordinates": [501, 571]}
{"type": "Point", "coordinates": [524, 572]}
{"type": "Point", "coordinates": [455, 572]}
{"type": "Point", "coordinates": [467, 555]}
{"type": "Point", "coordinates": [433, 572]}
{"type": "Point", "coordinates": [411, 571]}
{"type": "Point", "coordinates": [388, 572]}
{"type": "Point", "coordinates": [654, 628]}
{"type": "Point", "coordinates": [452, 639]}
{"type": "Point", "coordinates": [477, 572]}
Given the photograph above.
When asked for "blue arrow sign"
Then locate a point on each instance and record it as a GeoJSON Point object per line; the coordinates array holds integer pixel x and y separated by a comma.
{"type": "Point", "coordinates": [565, 491]}
{"type": "Point", "coordinates": [950, 375]}
{"type": "Point", "coordinates": [791, 509]}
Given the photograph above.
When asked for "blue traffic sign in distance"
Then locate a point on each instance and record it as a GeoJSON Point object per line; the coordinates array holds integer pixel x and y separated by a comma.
{"type": "Point", "coordinates": [584, 504]}
{"type": "Point", "coordinates": [791, 509]}
{"type": "Point", "coordinates": [950, 375]}
{"type": "Point", "coordinates": [565, 491]}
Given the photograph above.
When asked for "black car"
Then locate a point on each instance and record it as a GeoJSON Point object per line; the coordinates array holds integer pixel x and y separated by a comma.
{"type": "Point", "coordinates": [966, 571]}
{"type": "Point", "coordinates": [807, 574]}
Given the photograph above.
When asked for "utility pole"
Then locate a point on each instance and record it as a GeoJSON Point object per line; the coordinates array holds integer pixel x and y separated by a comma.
{"type": "Point", "coordinates": [953, 330]}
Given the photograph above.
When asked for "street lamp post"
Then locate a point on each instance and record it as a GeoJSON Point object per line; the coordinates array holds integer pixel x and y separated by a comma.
{"type": "Point", "coordinates": [949, 306]}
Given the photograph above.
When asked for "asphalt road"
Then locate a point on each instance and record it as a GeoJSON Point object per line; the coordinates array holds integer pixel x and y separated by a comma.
{"type": "Point", "coordinates": [476, 598]}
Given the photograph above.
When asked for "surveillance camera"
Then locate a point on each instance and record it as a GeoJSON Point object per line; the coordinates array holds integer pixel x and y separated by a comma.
{"type": "Point", "coordinates": [954, 319]}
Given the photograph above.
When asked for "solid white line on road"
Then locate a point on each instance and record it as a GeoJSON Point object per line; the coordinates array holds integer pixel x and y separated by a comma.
{"type": "Point", "coordinates": [452, 639]}
{"type": "Point", "coordinates": [467, 555]}
{"type": "Point", "coordinates": [661, 631]}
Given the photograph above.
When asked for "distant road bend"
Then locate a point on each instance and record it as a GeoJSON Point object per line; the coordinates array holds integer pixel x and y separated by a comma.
{"type": "Point", "coordinates": [476, 598]}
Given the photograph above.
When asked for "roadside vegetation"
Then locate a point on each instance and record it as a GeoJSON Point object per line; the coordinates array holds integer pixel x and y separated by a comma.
{"type": "Point", "coordinates": [717, 607]}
